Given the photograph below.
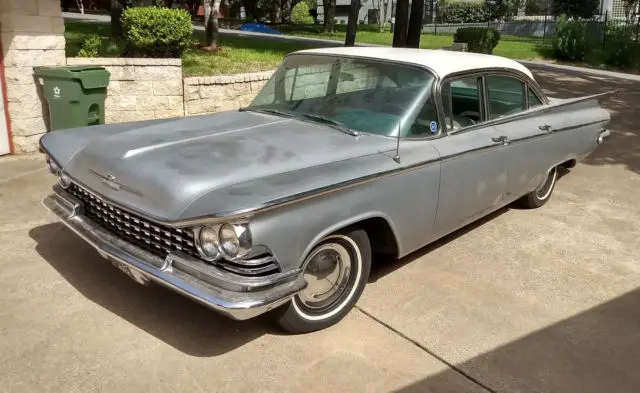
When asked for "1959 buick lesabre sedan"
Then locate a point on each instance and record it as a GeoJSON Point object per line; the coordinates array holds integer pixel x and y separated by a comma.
{"type": "Point", "coordinates": [346, 153]}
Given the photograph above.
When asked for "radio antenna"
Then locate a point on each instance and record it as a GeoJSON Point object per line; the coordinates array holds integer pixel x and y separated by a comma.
{"type": "Point", "coordinates": [397, 156]}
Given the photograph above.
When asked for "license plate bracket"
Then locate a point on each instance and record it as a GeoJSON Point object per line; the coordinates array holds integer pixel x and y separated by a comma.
{"type": "Point", "coordinates": [133, 274]}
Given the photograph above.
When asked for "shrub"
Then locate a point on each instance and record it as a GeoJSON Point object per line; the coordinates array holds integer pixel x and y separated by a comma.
{"type": "Point", "coordinates": [479, 39]}
{"type": "Point", "coordinates": [570, 41]}
{"type": "Point", "coordinates": [90, 46]}
{"type": "Point", "coordinates": [300, 14]}
{"type": "Point", "coordinates": [463, 12]}
{"type": "Point", "coordinates": [156, 32]}
{"type": "Point", "coordinates": [342, 21]}
{"type": "Point", "coordinates": [621, 49]}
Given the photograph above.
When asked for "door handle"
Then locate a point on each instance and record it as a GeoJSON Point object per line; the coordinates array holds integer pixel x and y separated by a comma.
{"type": "Point", "coordinates": [545, 127]}
{"type": "Point", "coordinates": [501, 139]}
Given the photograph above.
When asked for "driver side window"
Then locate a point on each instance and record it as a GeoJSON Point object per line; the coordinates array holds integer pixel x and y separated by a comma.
{"type": "Point", "coordinates": [462, 102]}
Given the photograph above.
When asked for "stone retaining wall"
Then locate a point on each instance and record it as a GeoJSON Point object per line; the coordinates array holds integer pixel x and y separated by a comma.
{"type": "Point", "coordinates": [140, 89]}
{"type": "Point", "coordinates": [32, 34]}
{"type": "Point", "coordinates": [210, 94]}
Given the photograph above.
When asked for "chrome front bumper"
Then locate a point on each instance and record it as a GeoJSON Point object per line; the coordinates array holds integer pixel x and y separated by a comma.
{"type": "Point", "coordinates": [232, 295]}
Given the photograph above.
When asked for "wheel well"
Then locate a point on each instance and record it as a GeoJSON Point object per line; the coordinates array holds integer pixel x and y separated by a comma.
{"type": "Point", "coordinates": [569, 163]}
{"type": "Point", "coordinates": [381, 236]}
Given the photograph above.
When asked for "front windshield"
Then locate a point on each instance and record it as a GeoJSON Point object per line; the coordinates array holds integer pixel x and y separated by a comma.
{"type": "Point", "coordinates": [363, 95]}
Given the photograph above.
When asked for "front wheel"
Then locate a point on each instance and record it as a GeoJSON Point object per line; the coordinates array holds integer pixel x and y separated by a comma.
{"type": "Point", "coordinates": [541, 195]}
{"type": "Point", "coordinates": [336, 270]}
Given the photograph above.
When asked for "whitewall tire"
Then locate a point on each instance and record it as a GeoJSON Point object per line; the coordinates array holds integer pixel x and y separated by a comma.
{"type": "Point", "coordinates": [336, 271]}
{"type": "Point", "coordinates": [542, 193]}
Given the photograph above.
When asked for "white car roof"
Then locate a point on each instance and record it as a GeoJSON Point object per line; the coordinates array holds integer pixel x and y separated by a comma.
{"type": "Point", "coordinates": [442, 62]}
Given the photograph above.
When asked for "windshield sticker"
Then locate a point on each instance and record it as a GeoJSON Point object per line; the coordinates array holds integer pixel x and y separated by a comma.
{"type": "Point", "coordinates": [434, 127]}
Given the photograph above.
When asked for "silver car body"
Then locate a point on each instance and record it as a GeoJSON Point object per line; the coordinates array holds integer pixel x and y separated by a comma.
{"type": "Point", "coordinates": [295, 182]}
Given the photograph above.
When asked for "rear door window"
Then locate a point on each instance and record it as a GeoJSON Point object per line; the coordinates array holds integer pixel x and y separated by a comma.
{"type": "Point", "coordinates": [506, 96]}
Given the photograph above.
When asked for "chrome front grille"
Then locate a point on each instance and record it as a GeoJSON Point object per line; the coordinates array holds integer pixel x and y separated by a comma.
{"type": "Point", "coordinates": [157, 239]}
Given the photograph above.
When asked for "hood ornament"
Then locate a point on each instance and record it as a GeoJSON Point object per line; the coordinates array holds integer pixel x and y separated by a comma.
{"type": "Point", "coordinates": [110, 181]}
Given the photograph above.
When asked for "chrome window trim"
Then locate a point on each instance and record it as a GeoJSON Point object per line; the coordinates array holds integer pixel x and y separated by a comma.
{"type": "Point", "coordinates": [496, 71]}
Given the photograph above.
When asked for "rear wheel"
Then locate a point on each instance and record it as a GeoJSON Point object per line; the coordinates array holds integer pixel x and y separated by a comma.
{"type": "Point", "coordinates": [336, 270]}
{"type": "Point", "coordinates": [540, 195]}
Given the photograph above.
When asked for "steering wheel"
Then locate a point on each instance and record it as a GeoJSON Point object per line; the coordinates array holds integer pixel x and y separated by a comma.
{"type": "Point", "coordinates": [473, 116]}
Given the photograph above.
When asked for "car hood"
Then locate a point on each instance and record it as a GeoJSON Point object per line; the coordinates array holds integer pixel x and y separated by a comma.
{"type": "Point", "coordinates": [184, 168]}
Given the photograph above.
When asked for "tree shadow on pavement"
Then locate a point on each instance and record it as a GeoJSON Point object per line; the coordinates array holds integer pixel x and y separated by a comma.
{"type": "Point", "coordinates": [595, 351]}
{"type": "Point", "coordinates": [180, 322]}
{"type": "Point", "coordinates": [624, 145]}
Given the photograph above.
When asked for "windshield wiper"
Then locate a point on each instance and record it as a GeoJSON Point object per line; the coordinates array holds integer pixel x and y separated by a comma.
{"type": "Point", "coordinates": [333, 123]}
{"type": "Point", "coordinates": [267, 110]}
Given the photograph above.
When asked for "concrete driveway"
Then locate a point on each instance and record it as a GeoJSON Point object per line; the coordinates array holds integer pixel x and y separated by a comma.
{"type": "Point", "coordinates": [540, 300]}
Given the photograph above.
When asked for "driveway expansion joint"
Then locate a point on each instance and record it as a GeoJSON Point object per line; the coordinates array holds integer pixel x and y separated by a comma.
{"type": "Point", "coordinates": [428, 351]}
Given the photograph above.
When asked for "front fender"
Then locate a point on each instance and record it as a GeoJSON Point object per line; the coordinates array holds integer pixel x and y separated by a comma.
{"type": "Point", "coordinates": [407, 202]}
{"type": "Point", "coordinates": [349, 222]}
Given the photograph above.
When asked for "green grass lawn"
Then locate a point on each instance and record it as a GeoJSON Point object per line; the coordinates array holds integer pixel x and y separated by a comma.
{"type": "Point", "coordinates": [240, 54]}
{"type": "Point", "coordinates": [75, 32]}
{"type": "Point", "coordinates": [525, 48]}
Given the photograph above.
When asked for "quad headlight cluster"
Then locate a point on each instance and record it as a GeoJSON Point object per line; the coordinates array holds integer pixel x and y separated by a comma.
{"type": "Point", "coordinates": [229, 241]}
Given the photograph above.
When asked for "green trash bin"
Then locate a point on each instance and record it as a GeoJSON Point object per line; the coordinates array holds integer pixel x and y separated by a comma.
{"type": "Point", "coordinates": [75, 95]}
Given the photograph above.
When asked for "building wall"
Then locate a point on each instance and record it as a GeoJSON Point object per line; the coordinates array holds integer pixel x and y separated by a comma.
{"type": "Point", "coordinates": [210, 94]}
{"type": "Point", "coordinates": [32, 34]}
{"type": "Point", "coordinates": [140, 89]}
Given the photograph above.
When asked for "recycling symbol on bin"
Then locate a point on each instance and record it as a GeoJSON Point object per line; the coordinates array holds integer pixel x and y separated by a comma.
{"type": "Point", "coordinates": [56, 92]}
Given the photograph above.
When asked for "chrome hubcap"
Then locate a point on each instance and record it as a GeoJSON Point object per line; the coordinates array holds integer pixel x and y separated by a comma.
{"type": "Point", "coordinates": [327, 274]}
{"type": "Point", "coordinates": [543, 191]}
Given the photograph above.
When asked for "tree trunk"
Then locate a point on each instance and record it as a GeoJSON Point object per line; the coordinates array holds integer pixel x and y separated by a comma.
{"type": "Point", "coordinates": [383, 14]}
{"type": "Point", "coordinates": [352, 27]}
{"type": "Point", "coordinates": [329, 14]}
{"type": "Point", "coordinates": [275, 11]}
{"type": "Point", "coordinates": [402, 24]}
{"type": "Point", "coordinates": [250, 8]}
{"type": "Point", "coordinates": [116, 23]}
{"type": "Point", "coordinates": [211, 12]}
{"type": "Point", "coordinates": [285, 10]}
{"type": "Point", "coordinates": [415, 23]}
{"type": "Point", "coordinates": [80, 4]}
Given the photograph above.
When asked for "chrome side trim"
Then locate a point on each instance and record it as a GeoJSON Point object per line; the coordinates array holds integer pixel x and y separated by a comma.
{"type": "Point", "coordinates": [252, 298]}
{"type": "Point", "coordinates": [472, 151]}
{"type": "Point", "coordinates": [300, 197]}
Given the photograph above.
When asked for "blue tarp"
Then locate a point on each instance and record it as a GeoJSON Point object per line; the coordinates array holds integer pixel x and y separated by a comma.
{"type": "Point", "coordinates": [259, 28]}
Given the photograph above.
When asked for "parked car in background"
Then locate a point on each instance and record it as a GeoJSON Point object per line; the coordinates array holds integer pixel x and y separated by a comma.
{"type": "Point", "coordinates": [346, 154]}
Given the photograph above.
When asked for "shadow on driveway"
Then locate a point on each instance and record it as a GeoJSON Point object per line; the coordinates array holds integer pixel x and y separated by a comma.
{"type": "Point", "coordinates": [592, 352]}
{"type": "Point", "coordinates": [180, 322]}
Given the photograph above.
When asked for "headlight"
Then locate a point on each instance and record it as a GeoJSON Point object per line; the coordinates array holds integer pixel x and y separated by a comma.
{"type": "Point", "coordinates": [229, 241]}
{"type": "Point", "coordinates": [52, 166]}
{"type": "Point", "coordinates": [235, 240]}
{"type": "Point", "coordinates": [64, 180]}
{"type": "Point", "coordinates": [207, 243]}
